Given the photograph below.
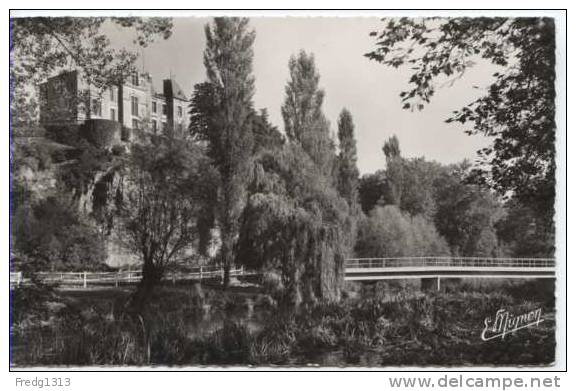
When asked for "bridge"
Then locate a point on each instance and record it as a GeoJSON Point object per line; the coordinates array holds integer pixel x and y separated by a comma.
{"type": "Point", "coordinates": [430, 269]}
{"type": "Point", "coordinates": [436, 268]}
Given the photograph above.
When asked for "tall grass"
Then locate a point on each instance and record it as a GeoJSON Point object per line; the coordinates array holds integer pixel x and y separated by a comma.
{"type": "Point", "coordinates": [407, 328]}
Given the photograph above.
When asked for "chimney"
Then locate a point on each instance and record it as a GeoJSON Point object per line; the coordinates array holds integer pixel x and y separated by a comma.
{"type": "Point", "coordinates": [169, 95]}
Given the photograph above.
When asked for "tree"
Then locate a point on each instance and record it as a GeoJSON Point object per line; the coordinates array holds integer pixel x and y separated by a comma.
{"type": "Point", "coordinates": [50, 230]}
{"type": "Point", "coordinates": [50, 234]}
{"type": "Point", "coordinates": [347, 158]}
{"type": "Point", "coordinates": [394, 171]}
{"type": "Point", "coordinates": [228, 60]}
{"type": "Point", "coordinates": [41, 46]}
{"type": "Point", "coordinates": [467, 214]}
{"type": "Point", "coordinates": [520, 233]}
{"type": "Point", "coordinates": [518, 111]}
{"type": "Point", "coordinates": [388, 232]}
{"type": "Point", "coordinates": [304, 121]}
{"type": "Point", "coordinates": [296, 223]}
{"type": "Point", "coordinates": [391, 148]}
{"type": "Point", "coordinates": [162, 192]}
{"type": "Point", "coordinates": [266, 135]}
{"type": "Point", "coordinates": [409, 182]}
{"type": "Point", "coordinates": [418, 186]}
{"type": "Point", "coordinates": [202, 111]}
{"type": "Point", "coordinates": [371, 189]}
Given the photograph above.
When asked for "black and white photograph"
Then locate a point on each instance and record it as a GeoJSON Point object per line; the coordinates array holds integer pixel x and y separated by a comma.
{"type": "Point", "coordinates": [286, 190]}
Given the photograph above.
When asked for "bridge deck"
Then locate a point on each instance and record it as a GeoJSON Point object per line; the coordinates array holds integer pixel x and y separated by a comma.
{"type": "Point", "coordinates": [454, 267]}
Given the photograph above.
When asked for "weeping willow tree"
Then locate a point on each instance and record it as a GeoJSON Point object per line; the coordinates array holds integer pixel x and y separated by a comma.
{"type": "Point", "coordinates": [295, 221]}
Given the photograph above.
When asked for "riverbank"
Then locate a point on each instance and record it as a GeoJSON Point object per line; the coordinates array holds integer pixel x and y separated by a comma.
{"type": "Point", "coordinates": [375, 326]}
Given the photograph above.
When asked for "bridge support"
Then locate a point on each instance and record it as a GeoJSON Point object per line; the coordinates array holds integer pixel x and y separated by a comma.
{"type": "Point", "coordinates": [428, 284]}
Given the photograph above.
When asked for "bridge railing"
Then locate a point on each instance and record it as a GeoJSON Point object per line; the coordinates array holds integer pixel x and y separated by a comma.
{"type": "Point", "coordinates": [456, 262]}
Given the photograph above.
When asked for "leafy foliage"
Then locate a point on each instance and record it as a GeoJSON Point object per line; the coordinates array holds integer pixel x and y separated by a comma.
{"type": "Point", "coordinates": [266, 135]}
{"type": "Point", "coordinates": [163, 188]}
{"type": "Point", "coordinates": [304, 121]}
{"type": "Point", "coordinates": [467, 214]}
{"type": "Point", "coordinates": [347, 158]}
{"type": "Point", "coordinates": [295, 222]}
{"type": "Point", "coordinates": [521, 233]}
{"type": "Point", "coordinates": [387, 232]}
{"type": "Point", "coordinates": [50, 225]}
{"type": "Point", "coordinates": [41, 46]}
{"type": "Point", "coordinates": [51, 234]}
{"type": "Point", "coordinates": [464, 214]}
{"type": "Point", "coordinates": [47, 226]}
{"type": "Point", "coordinates": [78, 175]}
{"type": "Point", "coordinates": [518, 110]}
{"type": "Point", "coordinates": [371, 188]}
{"type": "Point", "coordinates": [221, 113]}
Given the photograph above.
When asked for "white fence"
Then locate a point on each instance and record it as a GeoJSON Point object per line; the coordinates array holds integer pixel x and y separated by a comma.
{"type": "Point", "coordinates": [85, 279]}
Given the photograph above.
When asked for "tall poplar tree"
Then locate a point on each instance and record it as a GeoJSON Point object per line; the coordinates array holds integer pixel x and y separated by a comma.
{"type": "Point", "coordinates": [228, 60]}
{"type": "Point", "coordinates": [347, 158]}
{"type": "Point", "coordinates": [304, 121]}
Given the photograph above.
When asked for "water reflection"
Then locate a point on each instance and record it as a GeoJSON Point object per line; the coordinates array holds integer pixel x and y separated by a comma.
{"type": "Point", "coordinates": [213, 317]}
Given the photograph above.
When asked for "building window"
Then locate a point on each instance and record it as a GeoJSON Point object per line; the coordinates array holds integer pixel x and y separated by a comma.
{"type": "Point", "coordinates": [179, 111]}
{"type": "Point", "coordinates": [135, 124]}
{"type": "Point", "coordinates": [134, 102]}
{"type": "Point", "coordinates": [164, 109]}
{"type": "Point", "coordinates": [113, 114]}
{"type": "Point", "coordinates": [154, 107]}
{"type": "Point", "coordinates": [112, 96]}
{"type": "Point", "coordinates": [96, 107]}
{"type": "Point", "coordinates": [164, 126]}
{"type": "Point", "coordinates": [135, 79]}
{"type": "Point", "coordinates": [154, 125]}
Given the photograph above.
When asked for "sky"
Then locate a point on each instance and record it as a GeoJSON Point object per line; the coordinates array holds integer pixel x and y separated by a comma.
{"type": "Point", "coordinates": [368, 89]}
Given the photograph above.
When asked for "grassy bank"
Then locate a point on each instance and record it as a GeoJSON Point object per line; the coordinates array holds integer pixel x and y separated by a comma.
{"type": "Point", "coordinates": [183, 326]}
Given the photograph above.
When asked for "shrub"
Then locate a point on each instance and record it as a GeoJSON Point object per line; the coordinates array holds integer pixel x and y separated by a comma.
{"type": "Point", "coordinates": [50, 232]}
{"type": "Point", "coordinates": [65, 134]}
{"type": "Point", "coordinates": [28, 304]}
{"type": "Point", "coordinates": [101, 132]}
{"type": "Point", "coordinates": [228, 345]}
{"type": "Point", "coordinates": [318, 337]}
{"type": "Point", "coordinates": [271, 283]}
{"type": "Point", "coordinates": [118, 150]}
{"type": "Point", "coordinates": [388, 232]}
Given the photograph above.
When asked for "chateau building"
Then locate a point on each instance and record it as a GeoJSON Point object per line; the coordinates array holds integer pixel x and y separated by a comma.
{"type": "Point", "coordinates": [135, 105]}
{"type": "Point", "coordinates": [110, 117]}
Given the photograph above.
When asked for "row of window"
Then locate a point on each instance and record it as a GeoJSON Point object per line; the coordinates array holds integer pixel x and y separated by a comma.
{"type": "Point", "coordinates": [136, 124]}
{"type": "Point", "coordinates": [97, 111]}
{"type": "Point", "coordinates": [97, 108]}
{"type": "Point", "coordinates": [165, 109]}
{"type": "Point", "coordinates": [155, 108]}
